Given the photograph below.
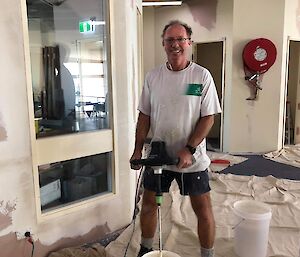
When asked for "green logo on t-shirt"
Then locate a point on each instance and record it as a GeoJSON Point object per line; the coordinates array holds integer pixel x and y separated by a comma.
{"type": "Point", "coordinates": [194, 89]}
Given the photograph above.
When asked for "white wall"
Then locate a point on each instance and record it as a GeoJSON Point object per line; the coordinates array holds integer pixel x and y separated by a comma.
{"type": "Point", "coordinates": [17, 202]}
{"type": "Point", "coordinates": [15, 163]}
{"type": "Point", "coordinates": [255, 124]}
{"type": "Point", "coordinates": [291, 19]}
{"type": "Point", "coordinates": [149, 45]}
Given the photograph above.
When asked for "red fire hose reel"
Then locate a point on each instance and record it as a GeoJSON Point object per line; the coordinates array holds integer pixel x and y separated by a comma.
{"type": "Point", "coordinates": [258, 56]}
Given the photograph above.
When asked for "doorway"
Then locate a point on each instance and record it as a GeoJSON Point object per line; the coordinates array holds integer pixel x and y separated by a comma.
{"type": "Point", "coordinates": [211, 56]}
{"type": "Point", "coordinates": [291, 130]}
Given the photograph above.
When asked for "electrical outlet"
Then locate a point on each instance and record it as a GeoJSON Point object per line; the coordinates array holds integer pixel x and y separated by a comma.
{"type": "Point", "coordinates": [21, 233]}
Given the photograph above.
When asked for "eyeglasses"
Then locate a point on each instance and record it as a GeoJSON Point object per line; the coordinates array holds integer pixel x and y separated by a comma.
{"type": "Point", "coordinates": [180, 40]}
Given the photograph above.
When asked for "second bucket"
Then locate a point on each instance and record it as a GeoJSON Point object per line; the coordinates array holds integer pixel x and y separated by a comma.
{"type": "Point", "coordinates": [251, 232]}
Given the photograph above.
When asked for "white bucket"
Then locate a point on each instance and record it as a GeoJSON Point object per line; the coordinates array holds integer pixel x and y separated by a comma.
{"type": "Point", "coordinates": [164, 254]}
{"type": "Point", "coordinates": [251, 232]}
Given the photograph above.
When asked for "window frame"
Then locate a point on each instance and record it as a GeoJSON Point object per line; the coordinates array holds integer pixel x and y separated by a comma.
{"type": "Point", "coordinates": [42, 149]}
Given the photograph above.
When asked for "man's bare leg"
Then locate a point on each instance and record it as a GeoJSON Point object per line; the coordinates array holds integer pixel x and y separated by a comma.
{"type": "Point", "coordinates": [206, 223]}
{"type": "Point", "coordinates": [148, 220]}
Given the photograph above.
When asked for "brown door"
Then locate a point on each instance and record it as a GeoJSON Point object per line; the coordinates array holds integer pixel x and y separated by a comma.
{"type": "Point", "coordinates": [211, 56]}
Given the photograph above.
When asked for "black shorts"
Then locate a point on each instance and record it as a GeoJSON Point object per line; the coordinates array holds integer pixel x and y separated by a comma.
{"type": "Point", "coordinates": [194, 183]}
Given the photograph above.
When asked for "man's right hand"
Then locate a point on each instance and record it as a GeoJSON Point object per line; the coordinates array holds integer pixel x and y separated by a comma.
{"type": "Point", "coordinates": [135, 156]}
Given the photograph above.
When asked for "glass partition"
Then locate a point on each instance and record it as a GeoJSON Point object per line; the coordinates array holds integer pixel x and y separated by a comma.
{"type": "Point", "coordinates": [62, 183]}
{"type": "Point", "coordinates": [69, 66]}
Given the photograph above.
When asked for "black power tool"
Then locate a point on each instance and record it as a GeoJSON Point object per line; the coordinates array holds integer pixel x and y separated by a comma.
{"type": "Point", "coordinates": [158, 156]}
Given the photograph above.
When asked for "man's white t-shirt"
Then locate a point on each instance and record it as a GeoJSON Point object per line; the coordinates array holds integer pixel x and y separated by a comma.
{"type": "Point", "coordinates": [175, 100]}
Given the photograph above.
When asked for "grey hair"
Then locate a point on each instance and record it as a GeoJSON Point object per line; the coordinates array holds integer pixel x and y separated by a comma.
{"type": "Point", "coordinates": [177, 22]}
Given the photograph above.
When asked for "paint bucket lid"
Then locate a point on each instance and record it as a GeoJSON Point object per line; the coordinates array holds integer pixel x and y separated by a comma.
{"type": "Point", "coordinates": [251, 209]}
{"type": "Point", "coordinates": [164, 254]}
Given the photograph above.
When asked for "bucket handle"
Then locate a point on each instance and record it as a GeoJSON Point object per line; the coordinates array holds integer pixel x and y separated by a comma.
{"type": "Point", "coordinates": [235, 226]}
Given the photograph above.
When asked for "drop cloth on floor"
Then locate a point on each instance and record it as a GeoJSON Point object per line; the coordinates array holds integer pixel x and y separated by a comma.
{"type": "Point", "coordinates": [216, 167]}
{"type": "Point", "coordinates": [290, 155]}
{"type": "Point", "coordinates": [94, 250]}
{"type": "Point", "coordinates": [179, 221]}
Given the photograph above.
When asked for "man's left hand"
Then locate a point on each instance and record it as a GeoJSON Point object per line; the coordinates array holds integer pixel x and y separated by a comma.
{"type": "Point", "coordinates": [185, 158]}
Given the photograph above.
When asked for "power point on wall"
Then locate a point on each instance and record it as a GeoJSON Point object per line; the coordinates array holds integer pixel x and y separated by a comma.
{"type": "Point", "coordinates": [22, 234]}
{"type": "Point", "coordinates": [26, 235]}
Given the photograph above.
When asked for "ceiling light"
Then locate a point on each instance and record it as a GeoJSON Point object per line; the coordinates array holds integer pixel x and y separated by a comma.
{"type": "Point", "coordinates": [161, 3]}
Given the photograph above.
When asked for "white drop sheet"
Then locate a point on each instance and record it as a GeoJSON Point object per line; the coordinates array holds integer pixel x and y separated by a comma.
{"type": "Point", "coordinates": [179, 221]}
{"type": "Point", "coordinates": [232, 159]}
{"type": "Point", "coordinates": [290, 155]}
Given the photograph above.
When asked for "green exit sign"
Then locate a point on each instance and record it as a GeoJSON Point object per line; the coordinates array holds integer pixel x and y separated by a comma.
{"type": "Point", "coordinates": [85, 26]}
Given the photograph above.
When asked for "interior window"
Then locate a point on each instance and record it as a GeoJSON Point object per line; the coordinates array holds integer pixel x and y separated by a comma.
{"type": "Point", "coordinates": [69, 65]}
{"type": "Point", "coordinates": [71, 94]}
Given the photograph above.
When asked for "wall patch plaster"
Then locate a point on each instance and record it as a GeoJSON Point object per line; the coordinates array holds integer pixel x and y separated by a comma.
{"type": "Point", "coordinates": [3, 134]}
{"type": "Point", "coordinates": [204, 12]}
{"type": "Point", "coordinates": [6, 210]}
{"type": "Point", "coordinates": [10, 246]}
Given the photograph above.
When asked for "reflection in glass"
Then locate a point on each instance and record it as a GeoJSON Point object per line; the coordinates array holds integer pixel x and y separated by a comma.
{"type": "Point", "coordinates": [69, 68]}
{"type": "Point", "coordinates": [68, 181]}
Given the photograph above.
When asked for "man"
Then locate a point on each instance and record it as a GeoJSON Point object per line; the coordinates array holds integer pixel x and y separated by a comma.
{"type": "Point", "coordinates": [178, 103]}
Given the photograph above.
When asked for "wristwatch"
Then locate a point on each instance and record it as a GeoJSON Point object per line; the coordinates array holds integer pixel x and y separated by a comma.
{"type": "Point", "coordinates": [191, 149]}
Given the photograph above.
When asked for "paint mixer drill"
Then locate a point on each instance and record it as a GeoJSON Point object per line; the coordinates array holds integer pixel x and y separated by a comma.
{"type": "Point", "coordinates": [157, 159]}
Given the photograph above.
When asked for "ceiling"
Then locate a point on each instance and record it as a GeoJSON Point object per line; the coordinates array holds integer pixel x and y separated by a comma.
{"type": "Point", "coordinates": [44, 8]}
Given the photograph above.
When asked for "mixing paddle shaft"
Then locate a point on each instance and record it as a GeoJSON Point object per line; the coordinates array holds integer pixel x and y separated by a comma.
{"type": "Point", "coordinates": [159, 231]}
{"type": "Point", "coordinates": [158, 173]}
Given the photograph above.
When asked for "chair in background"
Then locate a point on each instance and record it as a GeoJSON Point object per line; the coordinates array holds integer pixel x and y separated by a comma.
{"type": "Point", "coordinates": [98, 110]}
